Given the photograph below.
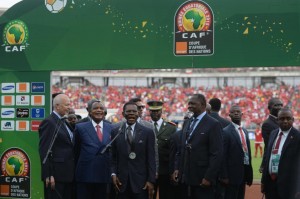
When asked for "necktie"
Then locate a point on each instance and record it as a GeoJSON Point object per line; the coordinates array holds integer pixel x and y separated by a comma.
{"type": "Point", "coordinates": [244, 144]}
{"type": "Point", "coordinates": [99, 133]}
{"type": "Point", "coordinates": [191, 129]}
{"type": "Point", "coordinates": [129, 134]}
{"type": "Point", "coordinates": [155, 126]}
{"type": "Point", "coordinates": [275, 150]}
{"type": "Point", "coordinates": [69, 131]}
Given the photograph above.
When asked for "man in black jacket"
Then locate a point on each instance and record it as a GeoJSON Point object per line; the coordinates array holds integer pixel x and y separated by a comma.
{"type": "Point", "coordinates": [270, 124]}
{"type": "Point", "coordinates": [215, 104]}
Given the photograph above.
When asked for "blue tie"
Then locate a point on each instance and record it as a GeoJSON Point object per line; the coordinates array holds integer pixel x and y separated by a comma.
{"type": "Point", "coordinates": [191, 129]}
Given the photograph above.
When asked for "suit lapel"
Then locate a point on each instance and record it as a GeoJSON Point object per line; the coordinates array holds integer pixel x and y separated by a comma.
{"type": "Point", "coordinates": [199, 127]}
{"type": "Point", "coordinates": [106, 135]}
{"type": "Point", "coordinates": [236, 136]}
{"type": "Point", "coordinates": [247, 140]}
{"type": "Point", "coordinates": [137, 133]}
{"type": "Point", "coordinates": [288, 141]}
{"type": "Point", "coordinates": [162, 129]}
{"type": "Point", "coordinates": [271, 141]}
{"type": "Point", "coordinates": [61, 127]}
{"type": "Point", "coordinates": [91, 131]}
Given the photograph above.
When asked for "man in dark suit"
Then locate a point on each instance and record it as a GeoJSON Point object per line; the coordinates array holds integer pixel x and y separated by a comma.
{"type": "Point", "coordinates": [93, 171]}
{"type": "Point", "coordinates": [270, 124]}
{"type": "Point", "coordinates": [280, 179]}
{"type": "Point", "coordinates": [58, 168]}
{"type": "Point", "coordinates": [175, 146]}
{"type": "Point", "coordinates": [199, 160]}
{"type": "Point", "coordinates": [236, 169]}
{"type": "Point", "coordinates": [133, 157]}
{"type": "Point", "coordinates": [163, 131]}
{"type": "Point", "coordinates": [215, 104]}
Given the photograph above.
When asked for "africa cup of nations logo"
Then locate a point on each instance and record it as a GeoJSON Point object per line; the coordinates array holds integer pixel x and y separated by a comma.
{"type": "Point", "coordinates": [15, 174]}
{"type": "Point", "coordinates": [15, 36]}
{"type": "Point", "coordinates": [194, 29]}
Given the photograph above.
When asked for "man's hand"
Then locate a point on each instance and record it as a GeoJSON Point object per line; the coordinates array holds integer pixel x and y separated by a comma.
{"type": "Point", "coordinates": [174, 176]}
{"type": "Point", "coordinates": [116, 182]}
{"type": "Point", "coordinates": [50, 181]}
{"type": "Point", "coordinates": [149, 186]}
{"type": "Point", "coordinates": [205, 183]}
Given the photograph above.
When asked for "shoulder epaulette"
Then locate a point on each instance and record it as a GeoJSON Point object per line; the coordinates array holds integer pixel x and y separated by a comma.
{"type": "Point", "coordinates": [172, 123]}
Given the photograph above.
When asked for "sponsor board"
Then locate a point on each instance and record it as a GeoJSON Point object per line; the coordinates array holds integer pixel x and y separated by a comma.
{"type": "Point", "coordinates": [8, 88]}
{"type": "Point", "coordinates": [38, 87]}
{"type": "Point", "coordinates": [22, 112]}
{"type": "Point", "coordinates": [22, 125]}
{"type": "Point", "coordinates": [22, 100]}
{"type": "Point", "coordinates": [7, 125]}
{"type": "Point", "coordinates": [35, 125]}
{"type": "Point", "coordinates": [38, 113]}
{"type": "Point", "coordinates": [22, 87]}
{"type": "Point", "coordinates": [7, 112]}
{"type": "Point", "coordinates": [7, 100]}
{"type": "Point", "coordinates": [37, 100]}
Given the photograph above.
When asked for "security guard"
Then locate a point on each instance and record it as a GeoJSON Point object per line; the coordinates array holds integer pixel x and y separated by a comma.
{"type": "Point", "coordinates": [163, 131]}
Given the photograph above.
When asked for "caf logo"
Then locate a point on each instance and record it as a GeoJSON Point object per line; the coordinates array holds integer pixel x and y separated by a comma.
{"type": "Point", "coordinates": [194, 16]}
{"type": "Point", "coordinates": [15, 36]}
{"type": "Point", "coordinates": [14, 162]}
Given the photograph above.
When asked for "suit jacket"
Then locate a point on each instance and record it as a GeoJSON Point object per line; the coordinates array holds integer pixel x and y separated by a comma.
{"type": "Point", "coordinates": [267, 127]}
{"type": "Point", "coordinates": [139, 170]}
{"type": "Point", "coordinates": [222, 121]}
{"type": "Point", "coordinates": [148, 125]}
{"type": "Point", "coordinates": [86, 119]}
{"type": "Point", "coordinates": [288, 169]}
{"type": "Point", "coordinates": [233, 157]}
{"type": "Point", "coordinates": [163, 140]}
{"type": "Point", "coordinates": [175, 142]}
{"type": "Point", "coordinates": [62, 163]}
{"type": "Point", "coordinates": [92, 167]}
{"type": "Point", "coordinates": [205, 154]}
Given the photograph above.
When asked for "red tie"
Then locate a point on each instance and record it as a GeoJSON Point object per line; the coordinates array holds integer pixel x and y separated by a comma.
{"type": "Point", "coordinates": [243, 140]}
{"type": "Point", "coordinates": [99, 133]}
{"type": "Point", "coordinates": [275, 150]}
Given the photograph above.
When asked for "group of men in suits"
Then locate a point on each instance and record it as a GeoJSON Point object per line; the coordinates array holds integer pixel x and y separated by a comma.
{"type": "Point", "coordinates": [82, 156]}
{"type": "Point", "coordinates": [209, 157]}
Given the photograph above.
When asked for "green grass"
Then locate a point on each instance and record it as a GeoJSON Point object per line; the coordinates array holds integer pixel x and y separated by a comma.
{"type": "Point", "coordinates": [255, 162]}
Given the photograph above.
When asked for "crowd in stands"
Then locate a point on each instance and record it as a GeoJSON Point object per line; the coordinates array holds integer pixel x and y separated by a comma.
{"type": "Point", "coordinates": [253, 101]}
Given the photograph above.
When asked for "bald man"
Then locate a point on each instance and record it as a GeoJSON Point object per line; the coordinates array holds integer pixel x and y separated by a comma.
{"type": "Point", "coordinates": [58, 166]}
